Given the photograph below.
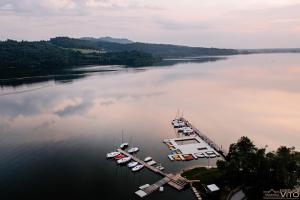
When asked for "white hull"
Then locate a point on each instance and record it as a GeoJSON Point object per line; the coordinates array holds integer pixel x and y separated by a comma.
{"type": "Point", "coordinates": [133, 150]}
{"type": "Point", "coordinates": [132, 164]}
{"type": "Point", "coordinates": [147, 159]}
{"type": "Point", "coordinates": [112, 154]}
{"type": "Point", "coordinates": [124, 160]}
{"type": "Point", "coordinates": [137, 168]}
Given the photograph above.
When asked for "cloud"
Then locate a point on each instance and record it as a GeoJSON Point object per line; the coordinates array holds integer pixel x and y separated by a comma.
{"type": "Point", "coordinates": [230, 24]}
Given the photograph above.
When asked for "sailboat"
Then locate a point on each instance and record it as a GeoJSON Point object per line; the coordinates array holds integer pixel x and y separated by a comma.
{"type": "Point", "coordinates": [125, 144]}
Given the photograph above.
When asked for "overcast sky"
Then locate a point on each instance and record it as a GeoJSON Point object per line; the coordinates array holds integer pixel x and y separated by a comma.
{"type": "Point", "coordinates": [209, 23]}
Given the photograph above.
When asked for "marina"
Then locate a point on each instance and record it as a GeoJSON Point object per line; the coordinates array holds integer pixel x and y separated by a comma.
{"type": "Point", "coordinates": [192, 146]}
{"type": "Point", "coordinates": [175, 181]}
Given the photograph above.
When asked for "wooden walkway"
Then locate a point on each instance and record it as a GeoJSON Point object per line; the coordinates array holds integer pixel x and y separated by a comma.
{"type": "Point", "coordinates": [176, 181]}
{"type": "Point", "coordinates": [205, 138]}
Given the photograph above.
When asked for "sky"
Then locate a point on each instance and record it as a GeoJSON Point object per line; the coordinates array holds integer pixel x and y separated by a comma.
{"type": "Point", "coordinates": [208, 23]}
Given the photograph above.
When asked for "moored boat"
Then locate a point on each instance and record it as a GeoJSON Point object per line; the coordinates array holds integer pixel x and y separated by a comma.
{"type": "Point", "coordinates": [124, 145]}
{"type": "Point", "coordinates": [147, 159]}
{"type": "Point", "coordinates": [120, 156]}
{"type": "Point", "coordinates": [132, 164]}
{"type": "Point", "coordinates": [112, 154]}
{"type": "Point", "coordinates": [133, 150]}
{"type": "Point", "coordinates": [124, 160]}
{"type": "Point", "coordinates": [137, 168]}
{"type": "Point", "coordinates": [200, 155]}
{"type": "Point", "coordinates": [161, 168]}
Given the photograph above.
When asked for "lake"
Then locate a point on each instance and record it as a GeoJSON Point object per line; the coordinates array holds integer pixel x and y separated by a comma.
{"type": "Point", "coordinates": [56, 131]}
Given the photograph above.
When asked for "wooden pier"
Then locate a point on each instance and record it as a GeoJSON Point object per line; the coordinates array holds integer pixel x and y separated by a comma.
{"type": "Point", "coordinates": [205, 138]}
{"type": "Point", "coordinates": [176, 181]}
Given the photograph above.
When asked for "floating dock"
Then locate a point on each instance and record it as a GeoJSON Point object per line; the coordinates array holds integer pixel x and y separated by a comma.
{"type": "Point", "coordinates": [176, 181]}
{"type": "Point", "coordinates": [205, 138]}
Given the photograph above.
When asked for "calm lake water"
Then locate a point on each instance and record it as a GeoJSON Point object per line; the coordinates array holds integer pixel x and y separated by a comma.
{"type": "Point", "coordinates": [54, 134]}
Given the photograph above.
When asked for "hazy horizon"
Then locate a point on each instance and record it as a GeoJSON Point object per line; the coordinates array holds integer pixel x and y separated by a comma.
{"type": "Point", "coordinates": [232, 24]}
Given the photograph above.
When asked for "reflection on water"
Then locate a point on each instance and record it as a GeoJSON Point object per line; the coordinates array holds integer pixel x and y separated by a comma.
{"type": "Point", "coordinates": [54, 137]}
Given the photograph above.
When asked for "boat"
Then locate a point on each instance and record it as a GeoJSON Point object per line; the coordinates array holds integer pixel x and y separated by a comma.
{"type": "Point", "coordinates": [120, 156]}
{"type": "Point", "coordinates": [112, 154]}
{"type": "Point", "coordinates": [132, 164]}
{"type": "Point", "coordinates": [176, 157]}
{"type": "Point", "coordinates": [171, 157]}
{"type": "Point", "coordinates": [147, 159]}
{"type": "Point", "coordinates": [124, 160]}
{"type": "Point", "coordinates": [188, 157]}
{"type": "Point", "coordinates": [200, 155]}
{"type": "Point", "coordinates": [161, 188]}
{"type": "Point", "coordinates": [137, 168]}
{"type": "Point", "coordinates": [124, 145]}
{"type": "Point", "coordinates": [178, 151]}
{"type": "Point", "coordinates": [133, 150]}
{"type": "Point", "coordinates": [161, 168]}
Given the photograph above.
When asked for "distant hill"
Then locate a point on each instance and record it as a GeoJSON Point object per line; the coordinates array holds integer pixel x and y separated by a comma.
{"type": "Point", "coordinates": [279, 50]}
{"type": "Point", "coordinates": [161, 50]}
{"type": "Point", "coordinates": [108, 39]}
{"type": "Point", "coordinates": [44, 57]}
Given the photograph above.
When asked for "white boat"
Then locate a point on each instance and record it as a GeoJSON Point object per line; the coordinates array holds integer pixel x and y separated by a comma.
{"type": "Point", "coordinates": [200, 155]}
{"type": "Point", "coordinates": [112, 154]}
{"type": "Point", "coordinates": [161, 189]}
{"type": "Point", "coordinates": [161, 168]}
{"type": "Point", "coordinates": [123, 160]}
{"type": "Point", "coordinates": [178, 124]}
{"type": "Point", "coordinates": [137, 168]}
{"type": "Point", "coordinates": [132, 164]}
{"type": "Point", "coordinates": [147, 159]}
{"type": "Point", "coordinates": [124, 145]}
{"type": "Point", "coordinates": [133, 150]}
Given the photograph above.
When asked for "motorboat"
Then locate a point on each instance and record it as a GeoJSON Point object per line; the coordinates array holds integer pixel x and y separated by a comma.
{"type": "Point", "coordinates": [161, 168]}
{"type": "Point", "coordinates": [178, 124]}
{"type": "Point", "coordinates": [120, 156]}
{"type": "Point", "coordinates": [133, 150]}
{"type": "Point", "coordinates": [187, 130]}
{"type": "Point", "coordinates": [147, 159]}
{"type": "Point", "coordinates": [124, 160]}
{"type": "Point", "coordinates": [132, 164]}
{"type": "Point", "coordinates": [188, 157]}
{"type": "Point", "coordinates": [112, 154]}
{"type": "Point", "coordinates": [124, 145]}
{"type": "Point", "coordinates": [137, 168]}
{"type": "Point", "coordinates": [200, 155]}
{"type": "Point", "coordinates": [176, 157]}
{"type": "Point", "coordinates": [161, 188]}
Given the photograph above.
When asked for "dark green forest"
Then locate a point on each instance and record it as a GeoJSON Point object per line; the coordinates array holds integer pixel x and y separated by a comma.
{"type": "Point", "coordinates": [44, 58]}
{"type": "Point", "coordinates": [252, 169]}
{"type": "Point", "coordinates": [162, 50]}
